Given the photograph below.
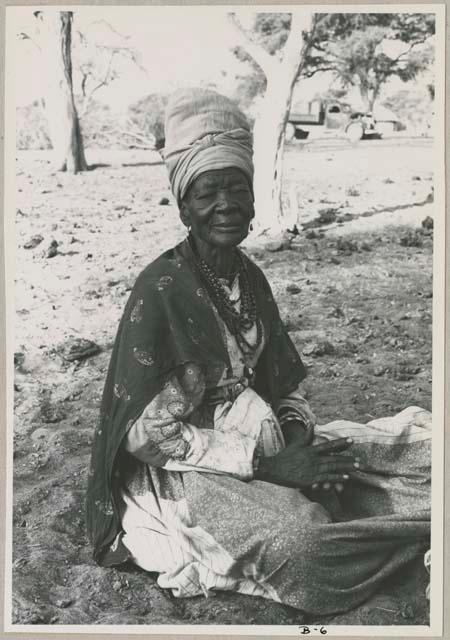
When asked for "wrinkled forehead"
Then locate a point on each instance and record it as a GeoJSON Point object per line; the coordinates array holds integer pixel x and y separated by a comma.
{"type": "Point", "coordinates": [218, 176]}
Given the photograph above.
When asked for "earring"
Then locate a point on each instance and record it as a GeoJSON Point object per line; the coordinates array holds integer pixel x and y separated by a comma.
{"type": "Point", "coordinates": [250, 228]}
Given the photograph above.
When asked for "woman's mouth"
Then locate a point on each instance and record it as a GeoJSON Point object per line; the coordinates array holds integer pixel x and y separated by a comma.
{"type": "Point", "coordinates": [227, 227]}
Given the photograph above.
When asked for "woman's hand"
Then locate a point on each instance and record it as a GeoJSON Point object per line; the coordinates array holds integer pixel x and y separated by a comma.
{"type": "Point", "coordinates": [307, 467]}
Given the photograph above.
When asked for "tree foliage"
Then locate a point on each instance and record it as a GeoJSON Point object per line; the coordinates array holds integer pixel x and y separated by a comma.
{"type": "Point", "coordinates": [355, 47]}
{"type": "Point", "coordinates": [350, 45]}
{"type": "Point", "coordinates": [405, 27]}
{"type": "Point", "coordinates": [146, 116]}
{"type": "Point", "coordinates": [100, 127]}
{"type": "Point", "coordinates": [412, 107]}
{"type": "Point", "coordinates": [32, 131]}
{"type": "Point", "coordinates": [141, 127]}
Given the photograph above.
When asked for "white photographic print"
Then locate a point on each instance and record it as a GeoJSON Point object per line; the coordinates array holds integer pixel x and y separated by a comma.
{"type": "Point", "coordinates": [224, 240]}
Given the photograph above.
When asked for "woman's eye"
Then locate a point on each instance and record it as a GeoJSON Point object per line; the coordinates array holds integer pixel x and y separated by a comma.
{"type": "Point", "coordinates": [211, 195]}
{"type": "Point", "coordinates": [204, 196]}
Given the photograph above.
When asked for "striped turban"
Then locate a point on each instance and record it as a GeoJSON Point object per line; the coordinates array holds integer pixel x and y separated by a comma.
{"type": "Point", "coordinates": [204, 131]}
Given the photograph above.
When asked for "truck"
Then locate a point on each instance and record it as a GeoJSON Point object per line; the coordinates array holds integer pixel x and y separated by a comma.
{"type": "Point", "coordinates": [321, 118]}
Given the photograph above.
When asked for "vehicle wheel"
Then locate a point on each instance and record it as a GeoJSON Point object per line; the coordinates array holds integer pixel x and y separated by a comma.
{"type": "Point", "coordinates": [289, 133]}
{"type": "Point", "coordinates": [354, 131]}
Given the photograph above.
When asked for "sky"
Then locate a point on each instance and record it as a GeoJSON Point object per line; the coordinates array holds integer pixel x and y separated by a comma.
{"type": "Point", "coordinates": [178, 46]}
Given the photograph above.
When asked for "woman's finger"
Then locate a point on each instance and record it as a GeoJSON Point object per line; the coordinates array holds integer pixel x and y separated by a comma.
{"type": "Point", "coordinates": [332, 477]}
{"type": "Point", "coordinates": [333, 446]}
{"type": "Point", "coordinates": [337, 459]}
{"type": "Point", "coordinates": [338, 486]}
{"type": "Point", "coordinates": [334, 466]}
{"type": "Point", "coordinates": [340, 457]}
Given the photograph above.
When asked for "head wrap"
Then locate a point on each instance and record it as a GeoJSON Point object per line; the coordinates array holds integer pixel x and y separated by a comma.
{"type": "Point", "coordinates": [204, 131]}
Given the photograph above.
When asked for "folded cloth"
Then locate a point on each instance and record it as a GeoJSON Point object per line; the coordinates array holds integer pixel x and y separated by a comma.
{"type": "Point", "coordinates": [204, 131]}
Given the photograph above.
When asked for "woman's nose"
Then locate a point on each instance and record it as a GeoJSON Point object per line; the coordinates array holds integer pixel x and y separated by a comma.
{"type": "Point", "coordinates": [223, 201]}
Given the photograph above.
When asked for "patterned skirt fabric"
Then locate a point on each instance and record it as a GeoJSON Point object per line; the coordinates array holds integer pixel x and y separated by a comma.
{"type": "Point", "coordinates": [320, 552]}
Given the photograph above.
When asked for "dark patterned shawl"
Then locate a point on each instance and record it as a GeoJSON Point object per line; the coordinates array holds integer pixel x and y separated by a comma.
{"type": "Point", "coordinates": [169, 321]}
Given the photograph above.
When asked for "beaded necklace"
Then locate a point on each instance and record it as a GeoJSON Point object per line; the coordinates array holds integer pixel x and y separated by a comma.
{"type": "Point", "coordinates": [237, 322]}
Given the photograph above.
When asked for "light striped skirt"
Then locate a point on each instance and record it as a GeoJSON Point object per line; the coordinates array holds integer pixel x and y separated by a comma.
{"type": "Point", "coordinates": [320, 552]}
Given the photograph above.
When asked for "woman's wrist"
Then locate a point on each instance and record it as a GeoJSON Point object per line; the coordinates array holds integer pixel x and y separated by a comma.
{"type": "Point", "coordinates": [262, 472]}
{"type": "Point", "coordinates": [270, 470]}
{"type": "Point", "coordinates": [295, 430]}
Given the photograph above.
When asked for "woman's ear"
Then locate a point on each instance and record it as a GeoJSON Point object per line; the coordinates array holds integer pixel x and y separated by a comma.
{"type": "Point", "coordinates": [185, 215]}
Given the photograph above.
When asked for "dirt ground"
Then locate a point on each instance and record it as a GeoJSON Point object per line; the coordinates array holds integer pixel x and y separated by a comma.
{"type": "Point", "coordinates": [354, 288]}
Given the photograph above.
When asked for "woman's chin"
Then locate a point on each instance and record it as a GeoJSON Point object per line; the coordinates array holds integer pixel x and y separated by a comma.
{"type": "Point", "coordinates": [227, 238]}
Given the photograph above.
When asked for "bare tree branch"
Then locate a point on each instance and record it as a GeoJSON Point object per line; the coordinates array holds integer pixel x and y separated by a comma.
{"type": "Point", "coordinates": [125, 51]}
{"type": "Point", "coordinates": [312, 72]}
{"type": "Point", "coordinates": [83, 85]}
{"type": "Point", "coordinates": [103, 83]}
{"type": "Point", "coordinates": [105, 22]}
{"type": "Point", "coordinates": [80, 35]}
{"type": "Point", "coordinates": [24, 36]}
{"type": "Point", "coordinates": [263, 59]}
{"type": "Point", "coordinates": [408, 51]}
{"type": "Point", "coordinates": [99, 69]}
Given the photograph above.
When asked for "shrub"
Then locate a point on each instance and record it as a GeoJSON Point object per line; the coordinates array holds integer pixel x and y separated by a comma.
{"type": "Point", "coordinates": [32, 127]}
{"type": "Point", "coordinates": [147, 116]}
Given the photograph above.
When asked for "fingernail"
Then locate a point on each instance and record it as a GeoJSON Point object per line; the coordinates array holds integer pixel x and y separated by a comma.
{"type": "Point", "coordinates": [326, 486]}
{"type": "Point", "coordinates": [356, 465]}
{"type": "Point", "coordinates": [314, 486]}
{"type": "Point", "coordinates": [350, 440]}
{"type": "Point", "coordinates": [345, 476]}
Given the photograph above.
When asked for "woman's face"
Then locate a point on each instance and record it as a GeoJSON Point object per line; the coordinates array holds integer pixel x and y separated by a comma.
{"type": "Point", "coordinates": [219, 207]}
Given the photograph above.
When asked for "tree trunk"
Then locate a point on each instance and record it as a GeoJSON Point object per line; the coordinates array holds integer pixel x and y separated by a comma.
{"type": "Point", "coordinates": [268, 134]}
{"type": "Point", "coordinates": [368, 97]}
{"type": "Point", "coordinates": [64, 125]}
{"type": "Point", "coordinates": [373, 97]}
{"type": "Point", "coordinates": [270, 126]}
{"type": "Point", "coordinates": [368, 101]}
{"type": "Point", "coordinates": [364, 93]}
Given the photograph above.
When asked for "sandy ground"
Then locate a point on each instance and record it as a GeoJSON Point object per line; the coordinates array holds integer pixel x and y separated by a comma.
{"type": "Point", "coordinates": [354, 288]}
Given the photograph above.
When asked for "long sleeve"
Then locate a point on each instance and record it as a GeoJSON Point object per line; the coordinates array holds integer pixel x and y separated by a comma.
{"type": "Point", "coordinates": [157, 435]}
{"type": "Point", "coordinates": [216, 451]}
{"type": "Point", "coordinates": [163, 436]}
{"type": "Point", "coordinates": [295, 406]}
{"type": "Point", "coordinates": [240, 429]}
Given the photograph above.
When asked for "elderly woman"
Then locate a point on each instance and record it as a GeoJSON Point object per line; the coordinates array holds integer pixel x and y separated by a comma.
{"type": "Point", "coordinates": [207, 465]}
